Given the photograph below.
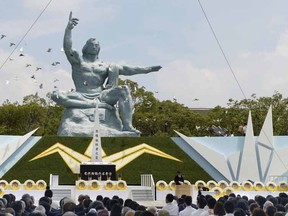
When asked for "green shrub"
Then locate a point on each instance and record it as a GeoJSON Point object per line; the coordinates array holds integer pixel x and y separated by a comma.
{"type": "Point", "coordinates": [161, 168]}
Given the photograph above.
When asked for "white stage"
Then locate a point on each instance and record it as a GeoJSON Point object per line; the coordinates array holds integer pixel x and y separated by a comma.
{"type": "Point", "coordinates": [159, 198]}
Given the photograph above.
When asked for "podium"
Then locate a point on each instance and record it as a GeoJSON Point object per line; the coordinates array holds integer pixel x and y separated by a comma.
{"type": "Point", "coordinates": [183, 189]}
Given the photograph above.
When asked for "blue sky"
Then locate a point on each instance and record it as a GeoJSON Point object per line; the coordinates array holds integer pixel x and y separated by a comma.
{"type": "Point", "coordinates": [170, 33]}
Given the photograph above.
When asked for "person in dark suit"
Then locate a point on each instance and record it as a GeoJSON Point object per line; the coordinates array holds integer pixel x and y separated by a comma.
{"type": "Point", "coordinates": [179, 179]}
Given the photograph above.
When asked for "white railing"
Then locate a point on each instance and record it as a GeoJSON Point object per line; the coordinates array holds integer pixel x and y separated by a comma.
{"type": "Point", "coordinates": [148, 181]}
{"type": "Point", "coordinates": [277, 178]}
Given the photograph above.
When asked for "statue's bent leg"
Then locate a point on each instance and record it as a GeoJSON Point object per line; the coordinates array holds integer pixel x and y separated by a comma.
{"type": "Point", "coordinates": [126, 106]}
{"type": "Point", "coordinates": [123, 97]}
{"type": "Point", "coordinates": [72, 99]}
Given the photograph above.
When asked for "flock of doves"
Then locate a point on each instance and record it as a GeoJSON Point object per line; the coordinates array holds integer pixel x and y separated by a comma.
{"type": "Point", "coordinates": [3, 36]}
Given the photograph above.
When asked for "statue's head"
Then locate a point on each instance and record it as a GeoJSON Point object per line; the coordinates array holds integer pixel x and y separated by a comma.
{"type": "Point", "coordinates": [91, 47]}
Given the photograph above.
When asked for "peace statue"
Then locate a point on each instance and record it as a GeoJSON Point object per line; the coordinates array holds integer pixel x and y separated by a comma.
{"type": "Point", "coordinates": [96, 82]}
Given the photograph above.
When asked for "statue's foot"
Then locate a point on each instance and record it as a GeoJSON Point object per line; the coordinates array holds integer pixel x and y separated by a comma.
{"type": "Point", "coordinates": [130, 128]}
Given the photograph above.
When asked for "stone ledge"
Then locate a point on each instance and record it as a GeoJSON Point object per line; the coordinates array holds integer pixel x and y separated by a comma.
{"type": "Point", "coordinates": [80, 122]}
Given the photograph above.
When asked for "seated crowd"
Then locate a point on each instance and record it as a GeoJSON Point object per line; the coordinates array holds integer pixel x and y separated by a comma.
{"type": "Point", "coordinates": [183, 206]}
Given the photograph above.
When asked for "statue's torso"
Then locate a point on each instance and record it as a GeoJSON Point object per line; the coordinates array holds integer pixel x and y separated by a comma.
{"type": "Point", "coordinates": [89, 77]}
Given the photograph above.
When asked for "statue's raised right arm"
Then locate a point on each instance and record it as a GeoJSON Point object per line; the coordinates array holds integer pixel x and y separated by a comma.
{"type": "Point", "coordinates": [72, 55]}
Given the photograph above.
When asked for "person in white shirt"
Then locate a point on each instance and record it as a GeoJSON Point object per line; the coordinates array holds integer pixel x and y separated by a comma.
{"type": "Point", "coordinates": [210, 205]}
{"type": "Point", "coordinates": [188, 208]}
{"type": "Point", "coordinates": [201, 203]}
{"type": "Point", "coordinates": [170, 207]}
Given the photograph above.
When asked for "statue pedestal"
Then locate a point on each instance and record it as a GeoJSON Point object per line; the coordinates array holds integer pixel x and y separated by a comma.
{"type": "Point", "coordinates": [98, 170]}
{"type": "Point", "coordinates": [80, 122]}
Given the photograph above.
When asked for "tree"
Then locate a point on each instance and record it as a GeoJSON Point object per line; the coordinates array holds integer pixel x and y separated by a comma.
{"type": "Point", "coordinates": [237, 113]}
{"type": "Point", "coordinates": [10, 119]}
{"type": "Point", "coordinates": [152, 117]}
{"type": "Point", "coordinates": [34, 99]}
{"type": "Point", "coordinates": [35, 112]}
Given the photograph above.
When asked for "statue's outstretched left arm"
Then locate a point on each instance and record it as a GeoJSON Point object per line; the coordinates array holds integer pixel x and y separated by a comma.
{"type": "Point", "coordinates": [129, 70]}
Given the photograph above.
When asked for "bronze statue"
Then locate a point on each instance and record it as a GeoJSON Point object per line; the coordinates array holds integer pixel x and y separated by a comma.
{"type": "Point", "coordinates": [97, 82]}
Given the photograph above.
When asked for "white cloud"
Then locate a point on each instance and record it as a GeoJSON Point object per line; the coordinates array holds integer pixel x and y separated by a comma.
{"type": "Point", "coordinates": [54, 18]}
{"type": "Point", "coordinates": [262, 73]}
{"type": "Point", "coordinates": [56, 7]}
{"type": "Point", "coordinates": [183, 80]}
{"type": "Point", "coordinates": [16, 29]}
{"type": "Point", "coordinates": [16, 81]}
{"type": "Point", "coordinates": [282, 46]}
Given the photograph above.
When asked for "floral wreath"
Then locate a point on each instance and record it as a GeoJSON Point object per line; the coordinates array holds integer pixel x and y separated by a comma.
{"type": "Point", "coordinates": [259, 186]}
{"type": "Point", "coordinates": [15, 185]}
{"type": "Point", "coordinates": [109, 185]}
{"type": "Point", "coordinates": [282, 186]}
{"type": "Point", "coordinates": [200, 183]}
{"type": "Point", "coordinates": [271, 186]}
{"type": "Point", "coordinates": [121, 185]}
{"type": "Point", "coordinates": [161, 185]}
{"type": "Point", "coordinates": [94, 184]}
{"type": "Point", "coordinates": [228, 190]}
{"type": "Point", "coordinates": [217, 192]}
{"type": "Point", "coordinates": [2, 191]}
{"type": "Point", "coordinates": [211, 184]}
{"type": "Point", "coordinates": [41, 185]}
{"type": "Point", "coordinates": [186, 182]}
{"type": "Point", "coordinates": [235, 185]}
{"type": "Point", "coordinates": [4, 184]}
{"type": "Point", "coordinates": [222, 184]}
{"type": "Point", "coordinates": [247, 186]}
{"type": "Point", "coordinates": [81, 185]}
{"type": "Point", "coordinates": [29, 184]}
{"type": "Point", "coordinates": [172, 185]}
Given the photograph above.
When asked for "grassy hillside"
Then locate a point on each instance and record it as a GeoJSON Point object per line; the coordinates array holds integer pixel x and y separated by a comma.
{"type": "Point", "coordinates": [160, 168]}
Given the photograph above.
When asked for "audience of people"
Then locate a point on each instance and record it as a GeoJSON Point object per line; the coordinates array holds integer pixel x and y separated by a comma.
{"type": "Point", "coordinates": [207, 205]}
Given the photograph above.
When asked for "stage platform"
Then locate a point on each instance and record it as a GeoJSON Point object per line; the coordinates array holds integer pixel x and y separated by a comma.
{"type": "Point", "coordinates": [147, 196]}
